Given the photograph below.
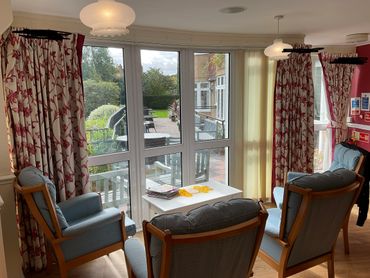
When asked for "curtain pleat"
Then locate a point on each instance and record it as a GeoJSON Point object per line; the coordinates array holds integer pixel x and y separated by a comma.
{"type": "Point", "coordinates": [293, 117]}
{"type": "Point", "coordinates": [45, 115]}
{"type": "Point", "coordinates": [338, 81]}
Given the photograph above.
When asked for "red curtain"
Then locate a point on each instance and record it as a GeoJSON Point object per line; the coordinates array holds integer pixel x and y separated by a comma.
{"type": "Point", "coordinates": [293, 148]}
{"type": "Point", "coordinates": [338, 80]}
{"type": "Point", "coordinates": [45, 113]}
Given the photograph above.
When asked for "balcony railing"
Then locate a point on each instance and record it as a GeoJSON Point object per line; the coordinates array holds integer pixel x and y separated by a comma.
{"type": "Point", "coordinates": [113, 187]}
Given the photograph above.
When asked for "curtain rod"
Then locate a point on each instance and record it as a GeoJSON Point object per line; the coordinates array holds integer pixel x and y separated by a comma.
{"type": "Point", "coordinates": [43, 34]}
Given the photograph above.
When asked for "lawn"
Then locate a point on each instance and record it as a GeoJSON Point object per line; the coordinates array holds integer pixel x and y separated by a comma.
{"type": "Point", "coordinates": [163, 113]}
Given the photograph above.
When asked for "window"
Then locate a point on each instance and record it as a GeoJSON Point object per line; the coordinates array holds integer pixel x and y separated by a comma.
{"type": "Point", "coordinates": [202, 96]}
{"type": "Point", "coordinates": [212, 123]}
{"type": "Point", "coordinates": [106, 124]}
{"type": "Point", "coordinates": [138, 122]}
{"type": "Point", "coordinates": [322, 140]}
{"type": "Point", "coordinates": [220, 88]}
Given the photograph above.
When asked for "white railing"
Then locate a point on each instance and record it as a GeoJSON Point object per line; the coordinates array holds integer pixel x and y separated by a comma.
{"type": "Point", "coordinates": [113, 187]}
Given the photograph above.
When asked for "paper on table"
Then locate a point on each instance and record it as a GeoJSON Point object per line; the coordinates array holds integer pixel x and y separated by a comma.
{"type": "Point", "coordinates": [162, 188]}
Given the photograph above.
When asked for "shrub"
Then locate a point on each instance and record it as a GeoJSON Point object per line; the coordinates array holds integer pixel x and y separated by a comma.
{"type": "Point", "coordinates": [159, 102]}
{"type": "Point", "coordinates": [104, 111]}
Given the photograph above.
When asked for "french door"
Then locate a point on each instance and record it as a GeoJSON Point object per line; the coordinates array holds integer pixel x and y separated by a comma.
{"type": "Point", "coordinates": [155, 116]}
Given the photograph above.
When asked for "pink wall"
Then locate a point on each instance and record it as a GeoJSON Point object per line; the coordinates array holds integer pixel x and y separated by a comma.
{"type": "Point", "coordinates": [361, 84]}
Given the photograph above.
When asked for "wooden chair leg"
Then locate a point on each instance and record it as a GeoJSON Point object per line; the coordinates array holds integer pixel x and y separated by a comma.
{"type": "Point", "coordinates": [331, 267]}
{"type": "Point", "coordinates": [345, 237]}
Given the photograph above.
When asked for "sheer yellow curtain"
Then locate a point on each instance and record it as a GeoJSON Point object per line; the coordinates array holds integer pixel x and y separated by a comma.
{"type": "Point", "coordinates": [259, 81]}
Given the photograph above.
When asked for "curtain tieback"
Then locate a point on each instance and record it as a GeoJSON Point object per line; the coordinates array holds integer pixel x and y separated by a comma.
{"type": "Point", "coordinates": [337, 125]}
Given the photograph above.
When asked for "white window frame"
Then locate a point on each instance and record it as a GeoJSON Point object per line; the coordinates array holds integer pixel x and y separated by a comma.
{"type": "Point", "coordinates": [323, 123]}
{"type": "Point", "coordinates": [136, 153]}
{"type": "Point", "coordinates": [198, 95]}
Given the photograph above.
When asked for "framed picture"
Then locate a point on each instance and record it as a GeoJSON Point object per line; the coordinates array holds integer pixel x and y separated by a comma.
{"type": "Point", "coordinates": [355, 105]}
{"type": "Point", "coordinates": [365, 97]}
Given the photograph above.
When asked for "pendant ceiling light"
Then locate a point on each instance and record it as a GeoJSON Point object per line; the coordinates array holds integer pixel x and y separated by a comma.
{"type": "Point", "coordinates": [275, 51]}
{"type": "Point", "coordinates": [107, 18]}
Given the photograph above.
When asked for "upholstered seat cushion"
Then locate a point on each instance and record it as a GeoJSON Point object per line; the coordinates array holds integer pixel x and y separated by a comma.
{"type": "Point", "coordinates": [273, 222]}
{"type": "Point", "coordinates": [31, 176]}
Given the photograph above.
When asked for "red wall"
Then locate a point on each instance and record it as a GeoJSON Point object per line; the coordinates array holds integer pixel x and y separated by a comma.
{"type": "Point", "coordinates": [361, 84]}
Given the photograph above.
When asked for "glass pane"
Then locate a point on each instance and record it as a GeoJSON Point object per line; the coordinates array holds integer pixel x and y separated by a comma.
{"type": "Point", "coordinates": [211, 95]}
{"type": "Point", "coordinates": [161, 97]}
{"type": "Point", "coordinates": [163, 169]}
{"type": "Point", "coordinates": [211, 165]}
{"type": "Point", "coordinates": [113, 183]}
{"type": "Point", "coordinates": [322, 154]}
{"type": "Point", "coordinates": [105, 99]}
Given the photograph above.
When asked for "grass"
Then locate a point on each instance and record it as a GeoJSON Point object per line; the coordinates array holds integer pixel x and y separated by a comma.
{"type": "Point", "coordinates": [163, 113]}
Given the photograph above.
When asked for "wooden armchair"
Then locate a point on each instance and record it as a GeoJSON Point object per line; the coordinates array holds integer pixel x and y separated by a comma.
{"type": "Point", "coordinates": [211, 241]}
{"type": "Point", "coordinates": [79, 229]}
{"type": "Point", "coordinates": [344, 158]}
{"type": "Point", "coordinates": [303, 233]}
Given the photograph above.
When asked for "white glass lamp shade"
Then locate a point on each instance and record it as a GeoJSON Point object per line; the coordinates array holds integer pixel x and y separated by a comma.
{"type": "Point", "coordinates": [275, 51]}
{"type": "Point", "coordinates": [107, 18]}
{"type": "Point", "coordinates": [6, 15]}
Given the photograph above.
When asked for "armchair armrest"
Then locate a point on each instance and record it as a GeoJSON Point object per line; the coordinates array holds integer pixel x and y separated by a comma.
{"type": "Point", "coordinates": [278, 196]}
{"type": "Point", "coordinates": [81, 206]}
{"type": "Point", "coordinates": [293, 175]}
{"type": "Point", "coordinates": [135, 254]}
{"type": "Point", "coordinates": [102, 218]}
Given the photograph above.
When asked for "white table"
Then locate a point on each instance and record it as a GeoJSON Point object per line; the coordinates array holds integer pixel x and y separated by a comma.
{"type": "Point", "coordinates": [220, 192]}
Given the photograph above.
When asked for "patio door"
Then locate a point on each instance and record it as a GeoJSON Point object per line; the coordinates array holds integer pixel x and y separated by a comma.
{"type": "Point", "coordinates": [154, 116]}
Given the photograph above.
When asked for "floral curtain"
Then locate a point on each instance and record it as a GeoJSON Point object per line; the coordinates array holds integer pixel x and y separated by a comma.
{"type": "Point", "coordinates": [293, 116]}
{"type": "Point", "coordinates": [45, 114]}
{"type": "Point", "coordinates": [338, 80]}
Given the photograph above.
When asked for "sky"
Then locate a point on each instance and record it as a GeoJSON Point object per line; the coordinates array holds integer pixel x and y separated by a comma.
{"type": "Point", "coordinates": [166, 61]}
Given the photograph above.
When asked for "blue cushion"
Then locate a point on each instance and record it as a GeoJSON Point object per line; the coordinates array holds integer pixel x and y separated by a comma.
{"type": "Point", "coordinates": [273, 222]}
{"type": "Point", "coordinates": [327, 180]}
{"type": "Point", "coordinates": [202, 219]}
{"type": "Point", "coordinates": [95, 238]}
{"type": "Point", "coordinates": [207, 218]}
{"type": "Point", "coordinates": [135, 254]}
{"type": "Point", "coordinates": [130, 226]}
{"type": "Point", "coordinates": [317, 182]}
{"type": "Point", "coordinates": [31, 176]}
{"type": "Point", "coordinates": [345, 158]}
{"type": "Point", "coordinates": [81, 206]}
{"type": "Point", "coordinates": [102, 218]}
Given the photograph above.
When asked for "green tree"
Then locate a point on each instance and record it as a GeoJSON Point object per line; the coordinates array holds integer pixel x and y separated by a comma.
{"type": "Point", "coordinates": [155, 83]}
{"type": "Point", "coordinates": [97, 64]}
{"type": "Point", "coordinates": [98, 93]}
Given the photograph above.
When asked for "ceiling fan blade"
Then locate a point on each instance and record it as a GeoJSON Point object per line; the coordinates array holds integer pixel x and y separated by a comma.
{"type": "Point", "coordinates": [350, 60]}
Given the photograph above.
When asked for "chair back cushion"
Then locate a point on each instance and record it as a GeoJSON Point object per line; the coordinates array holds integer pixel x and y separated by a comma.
{"type": "Point", "coordinates": [324, 217]}
{"type": "Point", "coordinates": [227, 257]}
{"type": "Point", "coordinates": [345, 158]}
{"type": "Point", "coordinates": [317, 182]}
{"type": "Point", "coordinates": [31, 176]}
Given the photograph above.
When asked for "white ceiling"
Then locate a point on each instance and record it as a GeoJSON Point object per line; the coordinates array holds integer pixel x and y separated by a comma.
{"type": "Point", "coordinates": [324, 22]}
